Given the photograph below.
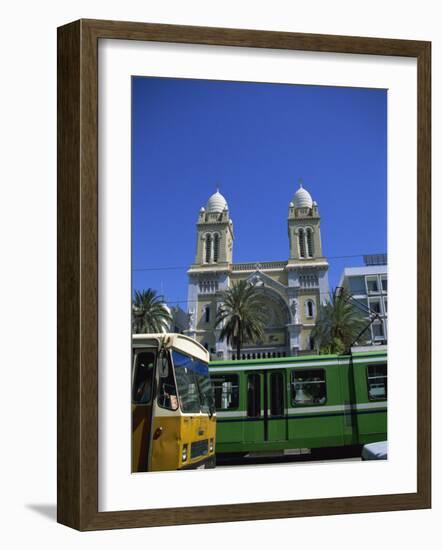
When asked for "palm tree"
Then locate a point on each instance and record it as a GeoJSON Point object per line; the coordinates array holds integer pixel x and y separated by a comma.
{"type": "Point", "coordinates": [149, 313]}
{"type": "Point", "coordinates": [242, 316]}
{"type": "Point", "coordinates": [338, 324]}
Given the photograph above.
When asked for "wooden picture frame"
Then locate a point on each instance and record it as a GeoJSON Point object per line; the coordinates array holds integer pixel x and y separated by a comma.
{"type": "Point", "coordinates": [77, 432]}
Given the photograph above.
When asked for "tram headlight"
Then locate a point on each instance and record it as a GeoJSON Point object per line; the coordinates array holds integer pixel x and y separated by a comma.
{"type": "Point", "coordinates": [211, 446]}
{"type": "Point", "coordinates": [184, 453]}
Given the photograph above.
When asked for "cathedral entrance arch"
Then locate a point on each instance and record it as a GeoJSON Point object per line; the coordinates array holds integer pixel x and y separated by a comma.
{"type": "Point", "coordinates": [275, 342]}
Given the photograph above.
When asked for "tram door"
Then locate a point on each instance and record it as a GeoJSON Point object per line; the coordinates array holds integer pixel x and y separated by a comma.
{"type": "Point", "coordinates": [276, 418]}
{"type": "Point", "coordinates": [266, 406]}
{"type": "Point", "coordinates": [254, 429]}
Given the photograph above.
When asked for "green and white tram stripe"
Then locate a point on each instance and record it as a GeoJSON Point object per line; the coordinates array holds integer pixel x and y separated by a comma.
{"type": "Point", "coordinates": [301, 364]}
{"type": "Point", "coordinates": [307, 412]}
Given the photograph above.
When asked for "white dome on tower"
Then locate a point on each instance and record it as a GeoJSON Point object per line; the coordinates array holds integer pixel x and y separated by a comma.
{"type": "Point", "coordinates": [302, 198]}
{"type": "Point", "coordinates": [216, 203]}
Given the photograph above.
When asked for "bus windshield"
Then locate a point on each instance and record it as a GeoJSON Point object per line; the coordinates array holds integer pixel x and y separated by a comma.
{"type": "Point", "coordinates": [193, 382]}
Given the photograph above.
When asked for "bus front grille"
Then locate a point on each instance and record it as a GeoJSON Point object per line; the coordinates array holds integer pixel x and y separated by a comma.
{"type": "Point", "coordinates": [199, 448]}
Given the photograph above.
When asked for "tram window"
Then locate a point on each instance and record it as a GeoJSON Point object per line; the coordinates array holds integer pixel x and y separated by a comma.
{"type": "Point", "coordinates": [253, 395]}
{"type": "Point", "coordinates": [377, 382]}
{"type": "Point", "coordinates": [309, 387]}
{"type": "Point", "coordinates": [276, 394]}
{"type": "Point", "coordinates": [226, 390]}
{"type": "Point", "coordinates": [143, 377]}
{"type": "Point", "coordinates": [167, 395]}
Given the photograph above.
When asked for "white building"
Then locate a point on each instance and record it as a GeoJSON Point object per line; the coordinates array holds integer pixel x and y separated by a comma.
{"type": "Point", "coordinates": [368, 285]}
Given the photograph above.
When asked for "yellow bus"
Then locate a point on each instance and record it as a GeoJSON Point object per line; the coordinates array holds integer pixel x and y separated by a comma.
{"type": "Point", "coordinates": [173, 411]}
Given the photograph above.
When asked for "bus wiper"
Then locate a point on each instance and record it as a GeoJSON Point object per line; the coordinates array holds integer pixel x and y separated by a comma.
{"type": "Point", "coordinates": [204, 401]}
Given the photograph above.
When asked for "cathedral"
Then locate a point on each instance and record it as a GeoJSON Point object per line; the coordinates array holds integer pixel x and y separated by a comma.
{"type": "Point", "coordinates": [292, 289]}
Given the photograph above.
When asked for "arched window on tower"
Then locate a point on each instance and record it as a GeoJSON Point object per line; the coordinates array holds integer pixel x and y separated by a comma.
{"type": "Point", "coordinates": [208, 247]}
{"type": "Point", "coordinates": [207, 314]}
{"type": "Point", "coordinates": [215, 247]}
{"type": "Point", "coordinates": [310, 308]}
{"type": "Point", "coordinates": [301, 238]}
{"type": "Point", "coordinates": [310, 248]}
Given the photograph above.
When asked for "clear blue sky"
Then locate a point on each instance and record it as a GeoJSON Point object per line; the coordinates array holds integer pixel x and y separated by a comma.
{"type": "Point", "coordinates": [255, 141]}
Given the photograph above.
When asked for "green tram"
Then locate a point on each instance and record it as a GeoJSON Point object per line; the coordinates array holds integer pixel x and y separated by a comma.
{"type": "Point", "coordinates": [295, 404]}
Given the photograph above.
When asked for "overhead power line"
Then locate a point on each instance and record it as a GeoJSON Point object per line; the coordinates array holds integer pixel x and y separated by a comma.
{"type": "Point", "coordinates": [167, 268]}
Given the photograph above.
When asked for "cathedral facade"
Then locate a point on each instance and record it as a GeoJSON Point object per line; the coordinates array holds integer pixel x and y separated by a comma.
{"type": "Point", "coordinates": [292, 289]}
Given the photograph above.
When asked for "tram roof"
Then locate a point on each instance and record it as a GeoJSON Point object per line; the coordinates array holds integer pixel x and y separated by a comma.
{"type": "Point", "coordinates": [301, 359]}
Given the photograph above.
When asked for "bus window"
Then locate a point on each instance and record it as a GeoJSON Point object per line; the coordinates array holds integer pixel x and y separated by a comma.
{"type": "Point", "coordinates": [143, 377]}
{"type": "Point", "coordinates": [377, 382]}
{"type": "Point", "coordinates": [186, 382]}
{"type": "Point", "coordinates": [226, 389]}
{"type": "Point", "coordinates": [253, 395]}
{"type": "Point", "coordinates": [167, 395]}
{"type": "Point", "coordinates": [308, 387]}
{"type": "Point", "coordinates": [201, 373]}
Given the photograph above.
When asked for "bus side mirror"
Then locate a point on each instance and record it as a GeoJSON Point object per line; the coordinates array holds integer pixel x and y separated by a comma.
{"type": "Point", "coordinates": [164, 367]}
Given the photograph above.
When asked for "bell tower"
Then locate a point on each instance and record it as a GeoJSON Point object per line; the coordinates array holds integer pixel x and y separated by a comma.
{"type": "Point", "coordinates": [214, 244]}
{"type": "Point", "coordinates": [304, 227]}
{"type": "Point", "coordinates": [307, 269]}
{"type": "Point", "coordinates": [209, 275]}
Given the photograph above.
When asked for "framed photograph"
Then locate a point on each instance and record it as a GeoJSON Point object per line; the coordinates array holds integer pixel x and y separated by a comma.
{"type": "Point", "coordinates": [243, 239]}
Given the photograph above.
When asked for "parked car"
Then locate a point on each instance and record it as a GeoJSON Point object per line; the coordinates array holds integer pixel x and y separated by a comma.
{"type": "Point", "coordinates": [375, 451]}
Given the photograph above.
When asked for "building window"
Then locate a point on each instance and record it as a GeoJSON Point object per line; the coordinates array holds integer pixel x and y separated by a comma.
{"type": "Point", "coordinates": [384, 282]}
{"type": "Point", "coordinates": [308, 387]}
{"type": "Point", "coordinates": [226, 391]}
{"type": "Point", "coordinates": [375, 306]}
{"type": "Point", "coordinates": [385, 305]}
{"type": "Point", "coordinates": [207, 314]}
{"type": "Point", "coordinates": [309, 308]}
{"type": "Point", "coordinates": [310, 250]}
{"type": "Point", "coordinates": [372, 285]}
{"type": "Point", "coordinates": [215, 247]}
{"type": "Point", "coordinates": [378, 331]}
{"type": "Point", "coordinates": [208, 247]}
{"type": "Point", "coordinates": [301, 238]}
{"type": "Point", "coordinates": [377, 382]}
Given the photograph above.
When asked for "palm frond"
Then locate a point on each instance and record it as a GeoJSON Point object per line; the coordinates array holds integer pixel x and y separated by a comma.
{"type": "Point", "coordinates": [242, 316]}
{"type": "Point", "coordinates": [149, 313]}
{"type": "Point", "coordinates": [338, 323]}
